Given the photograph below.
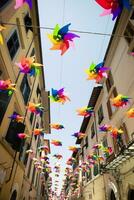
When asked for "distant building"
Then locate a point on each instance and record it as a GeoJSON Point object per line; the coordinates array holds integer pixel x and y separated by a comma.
{"type": "Point", "coordinates": [19, 179]}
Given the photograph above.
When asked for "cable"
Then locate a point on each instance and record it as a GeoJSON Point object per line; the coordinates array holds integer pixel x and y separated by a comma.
{"type": "Point", "coordinates": [76, 31]}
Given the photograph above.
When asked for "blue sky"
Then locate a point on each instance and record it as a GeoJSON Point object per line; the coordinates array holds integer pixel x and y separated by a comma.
{"type": "Point", "coordinates": [68, 70]}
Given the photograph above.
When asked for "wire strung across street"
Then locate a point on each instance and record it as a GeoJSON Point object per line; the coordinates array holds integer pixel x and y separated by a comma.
{"type": "Point", "coordinates": [76, 31]}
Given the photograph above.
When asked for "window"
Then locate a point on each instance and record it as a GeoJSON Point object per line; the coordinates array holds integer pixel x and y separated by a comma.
{"type": "Point", "coordinates": [12, 135]}
{"type": "Point", "coordinates": [96, 170]}
{"type": "Point", "coordinates": [33, 175]}
{"type": "Point", "coordinates": [111, 109]}
{"type": "Point", "coordinates": [28, 23]}
{"type": "Point", "coordinates": [29, 168]}
{"type": "Point", "coordinates": [109, 81]}
{"type": "Point", "coordinates": [86, 142]}
{"type": "Point", "coordinates": [25, 89]}
{"type": "Point", "coordinates": [89, 175]}
{"type": "Point", "coordinates": [100, 114]}
{"type": "Point", "coordinates": [31, 117]}
{"type": "Point", "coordinates": [13, 44]}
{"type": "Point", "coordinates": [4, 101]}
{"type": "Point", "coordinates": [92, 131]}
{"type": "Point", "coordinates": [32, 53]}
{"type": "Point", "coordinates": [122, 140]}
{"type": "Point", "coordinates": [38, 91]}
{"type": "Point", "coordinates": [104, 142]}
{"type": "Point", "coordinates": [129, 32]}
{"type": "Point", "coordinates": [3, 3]}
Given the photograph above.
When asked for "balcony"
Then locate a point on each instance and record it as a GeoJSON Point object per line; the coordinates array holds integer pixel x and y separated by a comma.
{"type": "Point", "coordinates": [125, 154]}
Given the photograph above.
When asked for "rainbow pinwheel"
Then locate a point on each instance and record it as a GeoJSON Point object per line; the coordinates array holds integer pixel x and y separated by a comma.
{"type": "Point", "coordinates": [16, 117]}
{"type": "Point", "coordinates": [59, 96]}
{"type": "Point", "coordinates": [116, 132]}
{"type": "Point", "coordinates": [105, 128]}
{"type": "Point", "coordinates": [96, 72]}
{"type": "Point", "coordinates": [61, 38]}
{"type": "Point", "coordinates": [56, 142]}
{"type": "Point", "coordinates": [35, 108]}
{"type": "Point", "coordinates": [19, 3]}
{"type": "Point", "coordinates": [38, 131]}
{"type": "Point", "coordinates": [130, 113]}
{"type": "Point", "coordinates": [113, 7]}
{"type": "Point", "coordinates": [7, 86]}
{"type": "Point", "coordinates": [79, 135]}
{"type": "Point", "coordinates": [56, 126]}
{"type": "Point", "coordinates": [1, 37]}
{"type": "Point", "coordinates": [85, 111]}
{"type": "Point", "coordinates": [23, 135]}
{"type": "Point", "coordinates": [120, 100]}
{"type": "Point", "coordinates": [58, 156]}
{"type": "Point", "coordinates": [73, 148]}
{"type": "Point", "coordinates": [28, 66]}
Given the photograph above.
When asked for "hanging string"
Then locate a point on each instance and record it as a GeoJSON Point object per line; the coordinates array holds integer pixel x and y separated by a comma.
{"type": "Point", "coordinates": [76, 31]}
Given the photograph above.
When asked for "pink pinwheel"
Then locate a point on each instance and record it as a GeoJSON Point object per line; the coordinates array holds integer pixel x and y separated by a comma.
{"type": "Point", "coordinates": [22, 135]}
{"type": "Point", "coordinates": [19, 3]}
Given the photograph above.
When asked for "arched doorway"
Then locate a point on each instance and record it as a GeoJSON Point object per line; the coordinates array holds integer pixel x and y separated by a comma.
{"type": "Point", "coordinates": [112, 195]}
{"type": "Point", "coordinates": [14, 195]}
{"type": "Point", "coordinates": [130, 194]}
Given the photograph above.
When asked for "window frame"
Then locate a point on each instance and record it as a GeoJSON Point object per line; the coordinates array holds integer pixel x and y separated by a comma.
{"type": "Point", "coordinates": [16, 49]}
{"type": "Point", "coordinates": [109, 105]}
{"type": "Point", "coordinates": [100, 114]}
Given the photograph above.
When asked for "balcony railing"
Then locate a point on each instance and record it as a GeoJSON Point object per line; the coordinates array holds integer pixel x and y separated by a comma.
{"type": "Point", "coordinates": [125, 154]}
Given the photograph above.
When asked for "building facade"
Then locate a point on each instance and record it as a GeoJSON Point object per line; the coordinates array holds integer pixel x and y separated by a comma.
{"type": "Point", "coordinates": [19, 178]}
{"type": "Point", "coordinates": [112, 178]}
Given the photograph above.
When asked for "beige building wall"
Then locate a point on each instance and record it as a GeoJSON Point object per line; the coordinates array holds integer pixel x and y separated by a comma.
{"type": "Point", "coordinates": [21, 177]}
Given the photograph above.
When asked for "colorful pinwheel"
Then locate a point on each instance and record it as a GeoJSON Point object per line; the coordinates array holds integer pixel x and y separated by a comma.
{"type": "Point", "coordinates": [130, 113]}
{"type": "Point", "coordinates": [19, 3]}
{"type": "Point", "coordinates": [28, 66]}
{"type": "Point", "coordinates": [56, 126]}
{"type": "Point", "coordinates": [16, 117]}
{"type": "Point", "coordinates": [23, 135]}
{"type": "Point", "coordinates": [7, 86]}
{"type": "Point", "coordinates": [97, 72]}
{"type": "Point", "coordinates": [113, 7]}
{"type": "Point", "coordinates": [120, 100]}
{"type": "Point", "coordinates": [58, 156]}
{"type": "Point", "coordinates": [105, 128]}
{"type": "Point", "coordinates": [59, 96]}
{"type": "Point", "coordinates": [79, 135]}
{"type": "Point", "coordinates": [115, 132]}
{"type": "Point", "coordinates": [85, 111]}
{"type": "Point", "coordinates": [35, 108]}
{"type": "Point", "coordinates": [38, 131]}
{"type": "Point", "coordinates": [43, 148]}
{"type": "Point", "coordinates": [73, 148]}
{"type": "Point", "coordinates": [56, 142]}
{"type": "Point", "coordinates": [1, 37]}
{"type": "Point", "coordinates": [61, 38]}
